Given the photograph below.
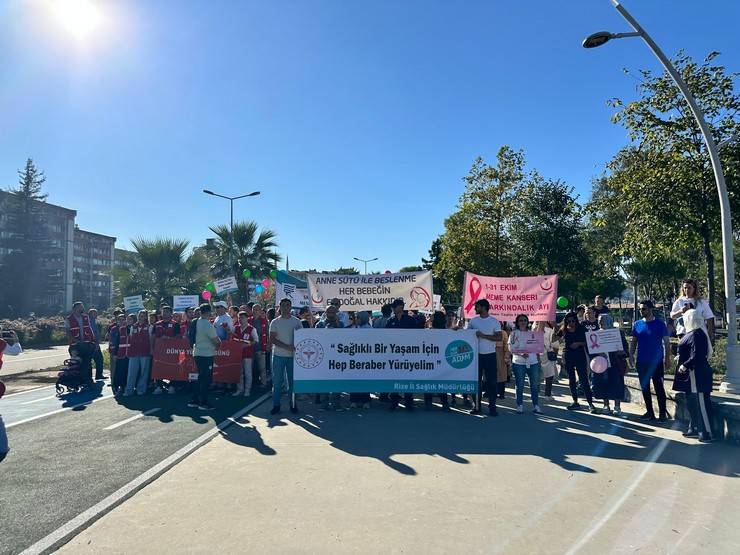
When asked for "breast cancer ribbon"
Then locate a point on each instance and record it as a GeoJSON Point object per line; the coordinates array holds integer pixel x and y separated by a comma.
{"type": "Point", "coordinates": [474, 289]}
{"type": "Point", "coordinates": [594, 341]}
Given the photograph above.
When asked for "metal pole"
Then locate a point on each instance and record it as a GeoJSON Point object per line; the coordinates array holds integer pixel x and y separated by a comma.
{"type": "Point", "coordinates": [732, 380]}
{"type": "Point", "coordinates": [231, 237]}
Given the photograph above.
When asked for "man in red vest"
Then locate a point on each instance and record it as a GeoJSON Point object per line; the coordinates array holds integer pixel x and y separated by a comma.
{"type": "Point", "coordinates": [139, 355]}
{"type": "Point", "coordinates": [80, 335]}
{"type": "Point", "coordinates": [165, 329]}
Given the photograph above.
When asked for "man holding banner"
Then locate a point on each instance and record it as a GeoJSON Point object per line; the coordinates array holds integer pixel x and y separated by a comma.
{"type": "Point", "coordinates": [400, 320]}
{"type": "Point", "coordinates": [488, 331]}
{"type": "Point", "coordinates": [282, 330]}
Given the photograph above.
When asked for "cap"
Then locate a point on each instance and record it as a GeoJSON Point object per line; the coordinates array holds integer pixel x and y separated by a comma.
{"type": "Point", "coordinates": [222, 304]}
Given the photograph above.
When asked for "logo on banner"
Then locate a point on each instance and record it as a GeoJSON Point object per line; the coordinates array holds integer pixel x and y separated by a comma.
{"type": "Point", "coordinates": [546, 285]}
{"type": "Point", "coordinates": [420, 298]}
{"type": "Point", "coordinates": [309, 353]}
{"type": "Point", "coordinates": [459, 354]}
{"type": "Point", "coordinates": [474, 289]}
{"type": "Point", "coordinates": [317, 299]}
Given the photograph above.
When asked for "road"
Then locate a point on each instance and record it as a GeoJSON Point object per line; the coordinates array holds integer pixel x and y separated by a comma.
{"type": "Point", "coordinates": [67, 454]}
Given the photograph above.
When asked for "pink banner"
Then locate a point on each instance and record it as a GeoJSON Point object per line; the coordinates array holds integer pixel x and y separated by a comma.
{"type": "Point", "coordinates": [534, 296]}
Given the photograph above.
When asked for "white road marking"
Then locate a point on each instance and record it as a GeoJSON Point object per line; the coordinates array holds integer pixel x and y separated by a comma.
{"type": "Point", "coordinates": [11, 361]}
{"type": "Point", "coordinates": [27, 391]}
{"type": "Point", "coordinates": [135, 417]}
{"type": "Point", "coordinates": [62, 534]}
{"type": "Point", "coordinates": [57, 411]}
{"type": "Point", "coordinates": [39, 400]}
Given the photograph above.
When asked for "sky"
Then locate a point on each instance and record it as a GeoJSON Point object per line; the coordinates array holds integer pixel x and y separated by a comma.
{"type": "Point", "coordinates": [357, 120]}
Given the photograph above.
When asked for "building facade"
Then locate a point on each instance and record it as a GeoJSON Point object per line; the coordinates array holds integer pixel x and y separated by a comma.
{"type": "Point", "coordinates": [92, 265]}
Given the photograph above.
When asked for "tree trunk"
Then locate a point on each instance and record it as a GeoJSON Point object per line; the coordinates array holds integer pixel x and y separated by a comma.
{"type": "Point", "coordinates": [634, 306]}
{"type": "Point", "coordinates": [706, 243]}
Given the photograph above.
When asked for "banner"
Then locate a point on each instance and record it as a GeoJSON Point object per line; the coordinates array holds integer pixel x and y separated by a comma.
{"type": "Point", "coordinates": [371, 292]}
{"type": "Point", "coordinates": [532, 342]}
{"type": "Point", "coordinates": [604, 341]}
{"type": "Point", "coordinates": [290, 287]}
{"type": "Point", "coordinates": [132, 304]}
{"type": "Point", "coordinates": [225, 285]}
{"type": "Point", "coordinates": [385, 360]}
{"type": "Point", "coordinates": [534, 296]}
{"type": "Point", "coordinates": [173, 360]}
{"type": "Point", "coordinates": [181, 302]}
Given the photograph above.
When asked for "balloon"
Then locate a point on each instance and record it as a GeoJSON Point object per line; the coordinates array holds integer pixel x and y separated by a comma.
{"type": "Point", "coordinates": [562, 302]}
{"type": "Point", "coordinates": [599, 365]}
{"type": "Point", "coordinates": [265, 282]}
{"type": "Point", "coordinates": [246, 274]}
{"type": "Point", "coordinates": [206, 295]}
{"type": "Point", "coordinates": [273, 274]}
{"type": "Point", "coordinates": [258, 289]}
{"type": "Point", "coordinates": [210, 287]}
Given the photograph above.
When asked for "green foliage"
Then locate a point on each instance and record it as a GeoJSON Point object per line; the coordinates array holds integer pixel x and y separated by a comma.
{"type": "Point", "coordinates": [350, 271]}
{"type": "Point", "coordinates": [411, 269]}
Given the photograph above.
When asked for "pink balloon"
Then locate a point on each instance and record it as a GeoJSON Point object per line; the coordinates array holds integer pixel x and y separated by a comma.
{"type": "Point", "coordinates": [206, 295]}
{"type": "Point", "coordinates": [599, 365]}
{"type": "Point", "coordinates": [265, 282]}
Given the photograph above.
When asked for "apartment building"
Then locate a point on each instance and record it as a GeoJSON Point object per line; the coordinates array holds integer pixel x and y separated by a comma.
{"type": "Point", "coordinates": [92, 264]}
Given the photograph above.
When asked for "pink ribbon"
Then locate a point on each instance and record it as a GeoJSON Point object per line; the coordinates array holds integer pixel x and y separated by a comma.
{"type": "Point", "coordinates": [474, 293]}
{"type": "Point", "coordinates": [594, 341]}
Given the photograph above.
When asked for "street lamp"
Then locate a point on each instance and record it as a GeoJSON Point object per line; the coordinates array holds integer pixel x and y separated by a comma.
{"type": "Point", "coordinates": [732, 379]}
{"type": "Point", "coordinates": [231, 228]}
{"type": "Point", "coordinates": [365, 261]}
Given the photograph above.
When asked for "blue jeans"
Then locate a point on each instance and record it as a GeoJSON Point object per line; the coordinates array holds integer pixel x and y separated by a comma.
{"type": "Point", "coordinates": [534, 381]}
{"type": "Point", "coordinates": [281, 365]}
{"type": "Point", "coordinates": [138, 375]}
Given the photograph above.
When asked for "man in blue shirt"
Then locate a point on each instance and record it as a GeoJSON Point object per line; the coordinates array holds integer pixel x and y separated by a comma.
{"type": "Point", "coordinates": [651, 340]}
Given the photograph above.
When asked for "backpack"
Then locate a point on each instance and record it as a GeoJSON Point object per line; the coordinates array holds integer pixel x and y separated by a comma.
{"type": "Point", "coordinates": [192, 331]}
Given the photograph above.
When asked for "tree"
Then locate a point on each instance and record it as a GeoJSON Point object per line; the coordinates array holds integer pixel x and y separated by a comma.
{"type": "Point", "coordinates": [411, 269]}
{"type": "Point", "coordinates": [28, 272]}
{"type": "Point", "coordinates": [350, 271]}
{"type": "Point", "coordinates": [254, 250]}
{"type": "Point", "coordinates": [664, 182]}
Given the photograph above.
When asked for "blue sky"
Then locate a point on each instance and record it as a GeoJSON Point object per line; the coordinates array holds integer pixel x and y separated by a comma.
{"type": "Point", "coordinates": [356, 120]}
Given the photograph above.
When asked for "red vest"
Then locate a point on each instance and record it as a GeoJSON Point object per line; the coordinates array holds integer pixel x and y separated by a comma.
{"type": "Point", "coordinates": [248, 350]}
{"type": "Point", "coordinates": [123, 342]}
{"type": "Point", "coordinates": [139, 341]}
{"type": "Point", "coordinates": [164, 329]}
{"type": "Point", "coordinates": [86, 334]}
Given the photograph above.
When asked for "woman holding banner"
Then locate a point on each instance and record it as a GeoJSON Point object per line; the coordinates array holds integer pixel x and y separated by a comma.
{"type": "Point", "coordinates": [575, 359]}
{"type": "Point", "coordinates": [523, 362]}
{"type": "Point", "coordinates": [609, 385]}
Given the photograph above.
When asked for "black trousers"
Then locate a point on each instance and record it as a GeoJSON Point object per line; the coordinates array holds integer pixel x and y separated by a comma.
{"type": "Point", "coordinates": [648, 372]}
{"type": "Point", "coordinates": [548, 386]}
{"type": "Point", "coordinates": [429, 398]}
{"type": "Point", "coordinates": [97, 357]}
{"type": "Point", "coordinates": [408, 399]}
{"type": "Point", "coordinates": [120, 373]}
{"type": "Point", "coordinates": [487, 367]}
{"type": "Point", "coordinates": [578, 366]}
{"type": "Point", "coordinates": [205, 378]}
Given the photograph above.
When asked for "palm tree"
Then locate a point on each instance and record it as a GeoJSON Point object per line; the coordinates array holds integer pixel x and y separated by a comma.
{"type": "Point", "coordinates": [158, 269]}
{"type": "Point", "coordinates": [253, 251]}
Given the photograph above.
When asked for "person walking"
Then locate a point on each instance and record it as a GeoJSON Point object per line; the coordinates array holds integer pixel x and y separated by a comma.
{"type": "Point", "coordinates": [439, 322]}
{"type": "Point", "coordinates": [691, 299]}
{"type": "Point", "coordinates": [400, 320]}
{"type": "Point", "coordinates": [224, 323]}
{"type": "Point", "coordinates": [362, 322]}
{"type": "Point", "coordinates": [244, 332]}
{"type": "Point", "coordinates": [282, 333]}
{"type": "Point", "coordinates": [488, 331]}
{"type": "Point", "coordinates": [139, 355]}
{"type": "Point", "coordinates": [650, 339]}
{"type": "Point", "coordinates": [9, 345]}
{"type": "Point", "coordinates": [548, 360]}
{"type": "Point", "coordinates": [330, 320]}
{"type": "Point", "coordinates": [385, 313]}
{"type": "Point", "coordinates": [164, 330]}
{"type": "Point", "coordinates": [97, 354]}
{"type": "Point", "coordinates": [261, 326]}
{"type": "Point", "coordinates": [575, 359]}
{"type": "Point", "coordinates": [524, 363]}
{"type": "Point", "coordinates": [119, 340]}
{"type": "Point", "coordinates": [694, 375]}
{"type": "Point", "coordinates": [609, 385]}
{"type": "Point", "coordinates": [204, 353]}
{"type": "Point", "coordinates": [80, 335]}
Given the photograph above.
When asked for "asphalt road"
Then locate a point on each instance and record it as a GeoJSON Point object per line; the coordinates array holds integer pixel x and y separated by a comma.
{"type": "Point", "coordinates": [36, 359]}
{"type": "Point", "coordinates": [63, 463]}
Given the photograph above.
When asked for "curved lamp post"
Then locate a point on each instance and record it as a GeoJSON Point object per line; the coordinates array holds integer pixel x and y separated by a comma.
{"type": "Point", "coordinates": [365, 261]}
{"type": "Point", "coordinates": [231, 229]}
{"type": "Point", "coordinates": [732, 379]}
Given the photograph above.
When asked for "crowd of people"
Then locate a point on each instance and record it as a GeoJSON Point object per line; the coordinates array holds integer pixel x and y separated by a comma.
{"type": "Point", "coordinates": [268, 353]}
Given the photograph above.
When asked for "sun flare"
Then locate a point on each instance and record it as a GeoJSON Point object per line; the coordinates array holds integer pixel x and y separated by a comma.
{"type": "Point", "coordinates": [80, 17]}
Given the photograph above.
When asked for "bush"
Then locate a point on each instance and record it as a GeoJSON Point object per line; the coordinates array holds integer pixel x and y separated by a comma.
{"type": "Point", "coordinates": [42, 331]}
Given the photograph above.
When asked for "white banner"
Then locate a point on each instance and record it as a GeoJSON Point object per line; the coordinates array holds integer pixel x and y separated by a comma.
{"type": "Point", "coordinates": [604, 341]}
{"type": "Point", "coordinates": [135, 303]}
{"type": "Point", "coordinates": [225, 285]}
{"type": "Point", "coordinates": [371, 292]}
{"type": "Point", "coordinates": [385, 360]}
{"type": "Point", "coordinates": [299, 297]}
{"type": "Point", "coordinates": [181, 302]}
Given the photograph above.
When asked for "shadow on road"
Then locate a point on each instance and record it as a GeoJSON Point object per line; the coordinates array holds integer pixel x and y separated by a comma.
{"type": "Point", "coordinates": [559, 436]}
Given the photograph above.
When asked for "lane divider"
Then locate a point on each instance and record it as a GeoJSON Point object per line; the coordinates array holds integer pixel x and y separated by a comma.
{"type": "Point", "coordinates": [57, 411]}
{"type": "Point", "coordinates": [131, 419]}
{"type": "Point", "coordinates": [64, 533]}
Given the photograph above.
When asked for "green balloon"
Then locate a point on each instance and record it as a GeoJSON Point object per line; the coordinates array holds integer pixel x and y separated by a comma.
{"type": "Point", "coordinates": [246, 274]}
{"type": "Point", "coordinates": [210, 287]}
{"type": "Point", "coordinates": [562, 302]}
{"type": "Point", "coordinates": [273, 274]}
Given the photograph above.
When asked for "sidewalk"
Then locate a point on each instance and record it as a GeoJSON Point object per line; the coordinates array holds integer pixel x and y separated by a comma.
{"type": "Point", "coordinates": [431, 482]}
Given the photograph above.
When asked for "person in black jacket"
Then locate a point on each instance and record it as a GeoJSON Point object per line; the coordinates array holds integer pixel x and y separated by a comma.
{"type": "Point", "coordinates": [401, 320]}
{"type": "Point", "coordinates": [694, 375]}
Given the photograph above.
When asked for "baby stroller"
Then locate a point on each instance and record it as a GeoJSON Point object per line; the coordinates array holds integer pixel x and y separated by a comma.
{"type": "Point", "coordinates": [70, 377]}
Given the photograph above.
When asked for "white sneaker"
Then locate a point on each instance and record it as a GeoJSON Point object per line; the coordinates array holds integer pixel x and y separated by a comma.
{"type": "Point", "coordinates": [236, 394]}
{"type": "Point", "coordinates": [247, 393]}
{"type": "Point", "coordinates": [536, 409]}
{"type": "Point", "coordinates": [158, 391]}
{"type": "Point", "coordinates": [171, 390]}
{"type": "Point", "coordinates": [520, 409]}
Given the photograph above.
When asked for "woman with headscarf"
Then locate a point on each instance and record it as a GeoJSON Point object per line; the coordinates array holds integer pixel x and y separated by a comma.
{"type": "Point", "coordinates": [610, 384]}
{"type": "Point", "coordinates": [694, 375]}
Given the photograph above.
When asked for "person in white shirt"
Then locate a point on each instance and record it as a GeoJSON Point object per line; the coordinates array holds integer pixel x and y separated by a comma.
{"type": "Point", "coordinates": [549, 357]}
{"type": "Point", "coordinates": [282, 330]}
{"type": "Point", "coordinates": [223, 323]}
{"type": "Point", "coordinates": [342, 316]}
{"type": "Point", "coordinates": [488, 330]}
{"type": "Point", "coordinates": [690, 299]}
{"type": "Point", "coordinates": [524, 363]}
{"type": "Point", "coordinates": [9, 345]}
